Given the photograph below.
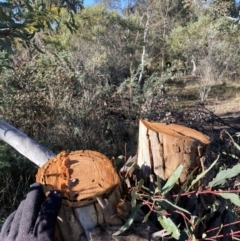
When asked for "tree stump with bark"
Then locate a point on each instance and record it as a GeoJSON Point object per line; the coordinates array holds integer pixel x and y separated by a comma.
{"type": "Point", "coordinates": [163, 147]}
{"type": "Point", "coordinates": [91, 192]}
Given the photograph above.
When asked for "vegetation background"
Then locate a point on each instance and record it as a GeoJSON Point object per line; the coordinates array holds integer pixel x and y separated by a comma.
{"type": "Point", "coordinates": [83, 81]}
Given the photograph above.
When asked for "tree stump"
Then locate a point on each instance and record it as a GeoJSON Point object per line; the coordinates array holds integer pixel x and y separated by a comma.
{"type": "Point", "coordinates": [163, 147]}
{"type": "Point", "coordinates": [90, 188]}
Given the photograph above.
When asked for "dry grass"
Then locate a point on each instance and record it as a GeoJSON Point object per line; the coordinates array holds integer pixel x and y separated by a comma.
{"type": "Point", "coordinates": [223, 99]}
{"type": "Point", "coordinates": [15, 178]}
{"type": "Point", "coordinates": [225, 107]}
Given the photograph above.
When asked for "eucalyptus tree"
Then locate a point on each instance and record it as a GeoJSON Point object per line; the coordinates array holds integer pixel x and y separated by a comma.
{"type": "Point", "coordinates": [19, 23]}
{"type": "Point", "coordinates": [210, 41]}
{"type": "Point", "coordinates": [20, 20]}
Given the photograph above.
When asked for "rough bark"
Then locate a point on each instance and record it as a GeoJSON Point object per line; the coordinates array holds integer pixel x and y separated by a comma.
{"type": "Point", "coordinates": [163, 147]}
{"type": "Point", "coordinates": [77, 224]}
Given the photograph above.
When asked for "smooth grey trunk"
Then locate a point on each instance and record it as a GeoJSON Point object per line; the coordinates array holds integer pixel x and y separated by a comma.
{"type": "Point", "coordinates": [29, 148]}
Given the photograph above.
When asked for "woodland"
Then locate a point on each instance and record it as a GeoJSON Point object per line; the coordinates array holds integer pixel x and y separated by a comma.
{"type": "Point", "coordinates": [80, 78]}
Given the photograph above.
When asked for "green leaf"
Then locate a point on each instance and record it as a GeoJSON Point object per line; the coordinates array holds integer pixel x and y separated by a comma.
{"type": "Point", "coordinates": [38, 49]}
{"type": "Point", "coordinates": [234, 198]}
{"type": "Point", "coordinates": [148, 190]}
{"type": "Point", "coordinates": [223, 175]}
{"type": "Point", "coordinates": [203, 173]}
{"type": "Point", "coordinates": [130, 164]}
{"type": "Point", "coordinates": [119, 160]}
{"type": "Point", "coordinates": [30, 8]}
{"type": "Point", "coordinates": [129, 221]}
{"type": "Point", "coordinates": [169, 226]}
{"type": "Point", "coordinates": [133, 164]}
{"type": "Point", "coordinates": [146, 216]}
{"type": "Point", "coordinates": [172, 180]}
{"type": "Point", "coordinates": [134, 198]}
{"type": "Point", "coordinates": [159, 186]}
{"type": "Point", "coordinates": [166, 204]}
{"type": "Point", "coordinates": [140, 184]}
{"type": "Point", "coordinates": [231, 155]}
{"type": "Point", "coordinates": [236, 145]}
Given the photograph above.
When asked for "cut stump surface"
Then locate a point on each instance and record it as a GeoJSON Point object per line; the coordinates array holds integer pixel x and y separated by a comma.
{"type": "Point", "coordinates": [81, 176]}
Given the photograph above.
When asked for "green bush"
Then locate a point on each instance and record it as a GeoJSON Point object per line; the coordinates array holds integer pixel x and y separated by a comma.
{"type": "Point", "coordinates": [16, 174]}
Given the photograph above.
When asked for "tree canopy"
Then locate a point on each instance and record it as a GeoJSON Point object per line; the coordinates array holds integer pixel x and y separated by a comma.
{"type": "Point", "coordinates": [116, 57]}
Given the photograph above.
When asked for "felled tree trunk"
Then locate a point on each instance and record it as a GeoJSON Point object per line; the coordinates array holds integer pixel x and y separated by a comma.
{"type": "Point", "coordinates": [163, 147]}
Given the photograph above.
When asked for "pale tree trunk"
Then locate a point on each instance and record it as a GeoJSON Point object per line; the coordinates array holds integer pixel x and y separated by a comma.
{"type": "Point", "coordinates": [145, 40]}
{"type": "Point", "coordinates": [29, 148]}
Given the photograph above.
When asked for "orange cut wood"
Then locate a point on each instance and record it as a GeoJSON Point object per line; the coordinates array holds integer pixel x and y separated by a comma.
{"type": "Point", "coordinates": [81, 176]}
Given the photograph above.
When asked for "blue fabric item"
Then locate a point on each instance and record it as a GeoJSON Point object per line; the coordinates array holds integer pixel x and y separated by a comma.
{"type": "Point", "coordinates": [35, 219]}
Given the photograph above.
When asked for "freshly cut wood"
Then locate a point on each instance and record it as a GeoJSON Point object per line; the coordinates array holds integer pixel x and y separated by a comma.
{"type": "Point", "coordinates": [90, 188]}
{"type": "Point", "coordinates": [82, 176]}
{"type": "Point", "coordinates": [163, 147]}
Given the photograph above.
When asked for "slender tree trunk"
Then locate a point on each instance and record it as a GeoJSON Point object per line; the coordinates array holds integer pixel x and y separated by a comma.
{"type": "Point", "coordinates": [145, 40]}
{"type": "Point", "coordinates": [29, 148]}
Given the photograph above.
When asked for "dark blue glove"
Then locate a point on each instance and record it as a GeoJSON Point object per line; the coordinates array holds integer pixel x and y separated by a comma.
{"type": "Point", "coordinates": [35, 218]}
